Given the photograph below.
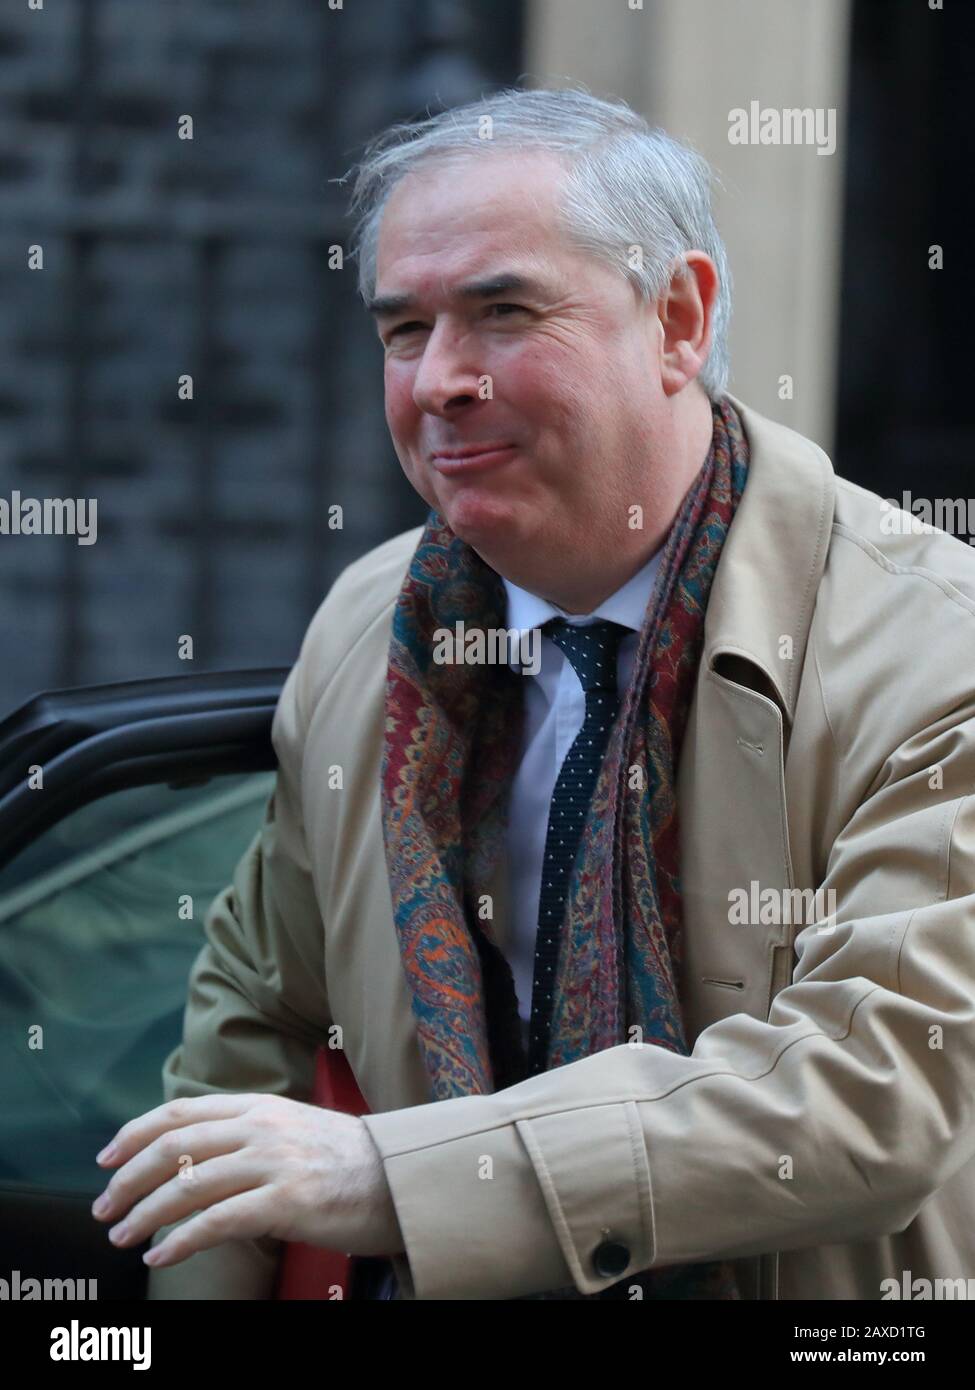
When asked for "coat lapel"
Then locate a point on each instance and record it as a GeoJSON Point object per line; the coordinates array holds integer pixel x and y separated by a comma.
{"type": "Point", "coordinates": [734, 825]}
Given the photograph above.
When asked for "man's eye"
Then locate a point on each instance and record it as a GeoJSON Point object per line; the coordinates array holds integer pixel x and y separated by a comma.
{"type": "Point", "coordinates": [404, 328]}
{"type": "Point", "coordinates": [413, 324]}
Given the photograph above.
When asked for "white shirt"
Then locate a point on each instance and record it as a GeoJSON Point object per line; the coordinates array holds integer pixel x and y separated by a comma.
{"type": "Point", "coordinates": [555, 707]}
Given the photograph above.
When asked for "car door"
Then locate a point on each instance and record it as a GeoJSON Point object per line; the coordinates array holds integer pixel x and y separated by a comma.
{"type": "Point", "coordinates": [123, 810]}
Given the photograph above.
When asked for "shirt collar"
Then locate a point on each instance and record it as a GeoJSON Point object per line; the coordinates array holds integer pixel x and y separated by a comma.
{"type": "Point", "coordinates": [627, 606]}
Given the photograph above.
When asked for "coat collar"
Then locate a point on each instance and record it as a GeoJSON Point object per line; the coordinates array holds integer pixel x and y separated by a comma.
{"type": "Point", "coordinates": [768, 574]}
{"type": "Point", "coordinates": [764, 588]}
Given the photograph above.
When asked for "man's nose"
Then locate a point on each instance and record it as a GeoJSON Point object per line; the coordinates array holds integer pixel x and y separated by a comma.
{"type": "Point", "coordinates": [447, 374]}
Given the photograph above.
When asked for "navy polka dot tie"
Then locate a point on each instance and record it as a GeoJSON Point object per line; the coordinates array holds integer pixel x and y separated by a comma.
{"type": "Point", "coordinates": [593, 651]}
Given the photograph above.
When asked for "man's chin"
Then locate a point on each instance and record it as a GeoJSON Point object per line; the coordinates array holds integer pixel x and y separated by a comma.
{"type": "Point", "coordinates": [482, 521]}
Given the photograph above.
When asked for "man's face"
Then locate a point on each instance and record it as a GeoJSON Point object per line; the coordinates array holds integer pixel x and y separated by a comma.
{"type": "Point", "coordinates": [563, 371]}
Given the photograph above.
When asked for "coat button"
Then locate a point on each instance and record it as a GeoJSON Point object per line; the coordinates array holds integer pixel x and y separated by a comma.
{"type": "Point", "coordinates": [610, 1258]}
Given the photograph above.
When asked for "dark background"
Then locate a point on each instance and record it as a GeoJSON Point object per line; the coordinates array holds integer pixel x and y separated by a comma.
{"type": "Point", "coordinates": [906, 358]}
{"type": "Point", "coordinates": [209, 256]}
{"type": "Point", "coordinates": [164, 256]}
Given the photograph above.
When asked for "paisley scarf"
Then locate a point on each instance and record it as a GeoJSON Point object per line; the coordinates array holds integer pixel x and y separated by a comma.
{"type": "Point", "coordinates": [451, 746]}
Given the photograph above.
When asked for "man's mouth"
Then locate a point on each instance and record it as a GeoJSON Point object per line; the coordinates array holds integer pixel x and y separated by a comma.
{"type": "Point", "coordinates": [472, 458]}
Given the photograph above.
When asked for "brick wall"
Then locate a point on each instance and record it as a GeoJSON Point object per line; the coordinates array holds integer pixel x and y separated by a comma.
{"type": "Point", "coordinates": [164, 256]}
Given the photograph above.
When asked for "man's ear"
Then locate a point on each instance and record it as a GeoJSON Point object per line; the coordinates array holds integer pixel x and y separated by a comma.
{"type": "Point", "coordinates": [685, 311]}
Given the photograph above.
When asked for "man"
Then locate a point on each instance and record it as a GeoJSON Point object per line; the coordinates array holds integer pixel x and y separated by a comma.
{"type": "Point", "coordinates": [654, 956]}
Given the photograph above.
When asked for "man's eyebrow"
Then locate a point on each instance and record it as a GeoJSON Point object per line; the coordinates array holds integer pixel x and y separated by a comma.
{"type": "Point", "coordinates": [385, 305]}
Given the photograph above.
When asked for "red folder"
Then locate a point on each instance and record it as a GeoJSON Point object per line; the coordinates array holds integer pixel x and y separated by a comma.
{"type": "Point", "coordinates": [308, 1271]}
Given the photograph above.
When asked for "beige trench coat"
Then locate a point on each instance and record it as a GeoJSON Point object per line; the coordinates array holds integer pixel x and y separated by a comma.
{"type": "Point", "coordinates": [821, 1132]}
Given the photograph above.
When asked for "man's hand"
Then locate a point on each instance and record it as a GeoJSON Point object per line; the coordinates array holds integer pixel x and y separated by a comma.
{"type": "Point", "coordinates": [251, 1165]}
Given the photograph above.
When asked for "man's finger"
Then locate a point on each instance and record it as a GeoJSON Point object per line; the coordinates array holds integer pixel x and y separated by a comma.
{"type": "Point", "coordinates": [174, 1114]}
{"type": "Point", "coordinates": [165, 1155]}
{"type": "Point", "coordinates": [212, 1182]}
{"type": "Point", "coordinates": [246, 1216]}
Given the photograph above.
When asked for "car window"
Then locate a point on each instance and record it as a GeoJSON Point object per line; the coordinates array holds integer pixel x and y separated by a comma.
{"type": "Point", "coordinates": [100, 922]}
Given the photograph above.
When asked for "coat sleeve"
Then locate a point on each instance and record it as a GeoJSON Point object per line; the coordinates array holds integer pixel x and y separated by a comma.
{"type": "Point", "coordinates": [832, 1121]}
{"type": "Point", "coordinates": [242, 1029]}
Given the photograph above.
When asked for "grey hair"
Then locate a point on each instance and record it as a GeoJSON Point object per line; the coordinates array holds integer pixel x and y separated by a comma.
{"type": "Point", "coordinates": [633, 196]}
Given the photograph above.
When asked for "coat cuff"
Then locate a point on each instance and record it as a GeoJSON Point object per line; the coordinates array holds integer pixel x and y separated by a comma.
{"type": "Point", "coordinates": [605, 1228]}
{"type": "Point", "coordinates": [495, 1208]}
